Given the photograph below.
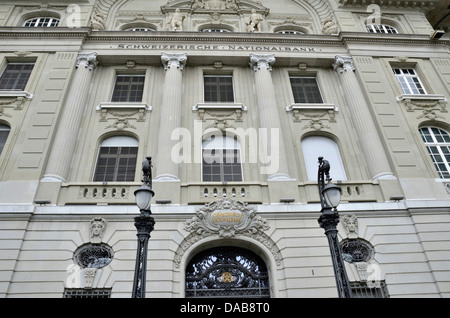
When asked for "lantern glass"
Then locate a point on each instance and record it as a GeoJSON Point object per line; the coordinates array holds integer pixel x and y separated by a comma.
{"type": "Point", "coordinates": [144, 197]}
{"type": "Point", "coordinates": [332, 195]}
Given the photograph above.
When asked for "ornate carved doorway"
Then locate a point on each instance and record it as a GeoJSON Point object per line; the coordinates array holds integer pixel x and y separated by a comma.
{"type": "Point", "coordinates": [227, 272]}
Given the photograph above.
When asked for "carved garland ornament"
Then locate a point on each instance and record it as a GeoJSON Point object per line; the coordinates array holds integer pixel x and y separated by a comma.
{"type": "Point", "coordinates": [226, 218]}
{"type": "Point", "coordinates": [430, 106]}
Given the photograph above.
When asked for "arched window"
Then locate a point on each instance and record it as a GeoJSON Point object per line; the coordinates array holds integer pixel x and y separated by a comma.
{"type": "Point", "coordinates": [116, 159]}
{"type": "Point", "coordinates": [4, 133]}
{"type": "Point", "coordinates": [221, 159]}
{"type": "Point", "coordinates": [290, 32]}
{"type": "Point", "coordinates": [290, 29]}
{"type": "Point", "coordinates": [41, 22]}
{"type": "Point", "coordinates": [314, 147]}
{"type": "Point", "coordinates": [215, 30]}
{"type": "Point", "coordinates": [381, 28]}
{"type": "Point", "coordinates": [227, 272]}
{"type": "Point", "coordinates": [437, 142]}
{"type": "Point", "coordinates": [140, 29]}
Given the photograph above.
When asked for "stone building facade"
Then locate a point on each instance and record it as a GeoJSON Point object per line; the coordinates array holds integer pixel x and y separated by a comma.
{"type": "Point", "coordinates": [234, 101]}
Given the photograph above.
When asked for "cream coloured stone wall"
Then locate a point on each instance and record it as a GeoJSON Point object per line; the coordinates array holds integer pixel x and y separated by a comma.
{"type": "Point", "coordinates": [44, 221]}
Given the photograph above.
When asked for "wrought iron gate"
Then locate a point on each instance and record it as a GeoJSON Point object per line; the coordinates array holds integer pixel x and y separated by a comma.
{"type": "Point", "coordinates": [227, 272]}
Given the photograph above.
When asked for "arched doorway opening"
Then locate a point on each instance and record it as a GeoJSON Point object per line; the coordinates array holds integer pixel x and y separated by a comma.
{"type": "Point", "coordinates": [227, 271]}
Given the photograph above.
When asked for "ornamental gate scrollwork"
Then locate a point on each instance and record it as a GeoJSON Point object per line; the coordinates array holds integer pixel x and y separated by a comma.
{"type": "Point", "coordinates": [227, 272]}
{"type": "Point", "coordinates": [225, 219]}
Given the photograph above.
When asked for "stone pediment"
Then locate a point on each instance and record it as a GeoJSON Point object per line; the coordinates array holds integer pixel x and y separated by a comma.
{"type": "Point", "coordinates": [213, 6]}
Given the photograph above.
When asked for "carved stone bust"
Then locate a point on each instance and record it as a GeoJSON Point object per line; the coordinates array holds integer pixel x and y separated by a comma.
{"type": "Point", "coordinates": [97, 229]}
{"type": "Point", "coordinates": [350, 223]}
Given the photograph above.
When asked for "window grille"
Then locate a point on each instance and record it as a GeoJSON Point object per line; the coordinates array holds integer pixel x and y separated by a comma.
{"type": "Point", "coordinates": [355, 250]}
{"type": "Point", "coordinates": [15, 76]}
{"type": "Point", "coordinates": [221, 159]}
{"type": "Point", "coordinates": [361, 290]}
{"type": "Point", "coordinates": [227, 272]}
{"type": "Point", "coordinates": [128, 88]}
{"type": "Point", "coordinates": [86, 293]}
{"type": "Point", "coordinates": [116, 164]}
{"type": "Point", "coordinates": [381, 28]}
{"type": "Point", "coordinates": [4, 133]}
{"type": "Point", "coordinates": [93, 255]}
{"type": "Point", "coordinates": [305, 90]}
{"type": "Point", "coordinates": [41, 22]}
{"type": "Point", "coordinates": [218, 88]}
{"type": "Point", "coordinates": [437, 142]}
{"type": "Point", "coordinates": [409, 81]}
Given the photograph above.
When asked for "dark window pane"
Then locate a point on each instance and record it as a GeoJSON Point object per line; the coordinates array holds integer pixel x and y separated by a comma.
{"type": "Point", "coordinates": [221, 165]}
{"type": "Point", "coordinates": [15, 76]}
{"type": "Point", "coordinates": [116, 164]}
{"type": "Point", "coordinates": [305, 90]}
{"type": "Point", "coordinates": [218, 89]}
{"type": "Point", "coordinates": [4, 133]}
{"type": "Point", "coordinates": [128, 88]}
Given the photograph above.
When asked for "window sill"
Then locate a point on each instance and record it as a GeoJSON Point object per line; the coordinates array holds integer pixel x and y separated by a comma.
{"type": "Point", "coordinates": [204, 109]}
{"type": "Point", "coordinates": [112, 105]}
{"type": "Point", "coordinates": [434, 97]}
{"type": "Point", "coordinates": [12, 93]}
{"type": "Point", "coordinates": [294, 107]}
{"type": "Point", "coordinates": [303, 112]}
{"type": "Point", "coordinates": [427, 103]}
{"type": "Point", "coordinates": [219, 106]}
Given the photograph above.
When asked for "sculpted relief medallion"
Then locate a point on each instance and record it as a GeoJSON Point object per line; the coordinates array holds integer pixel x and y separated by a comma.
{"type": "Point", "coordinates": [226, 218]}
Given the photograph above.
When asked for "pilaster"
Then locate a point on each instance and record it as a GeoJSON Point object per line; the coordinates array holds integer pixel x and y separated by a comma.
{"type": "Point", "coordinates": [166, 167]}
{"type": "Point", "coordinates": [275, 166]}
{"type": "Point", "coordinates": [374, 153]}
{"type": "Point", "coordinates": [61, 154]}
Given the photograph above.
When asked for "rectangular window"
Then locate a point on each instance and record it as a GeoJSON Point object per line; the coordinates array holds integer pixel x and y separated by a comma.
{"type": "Point", "coordinates": [218, 88]}
{"type": "Point", "coordinates": [128, 88]}
{"type": "Point", "coordinates": [15, 76]}
{"type": "Point", "coordinates": [409, 81]}
{"type": "Point", "coordinates": [116, 164]}
{"type": "Point", "coordinates": [221, 165]}
{"type": "Point", "coordinates": [305, 90]}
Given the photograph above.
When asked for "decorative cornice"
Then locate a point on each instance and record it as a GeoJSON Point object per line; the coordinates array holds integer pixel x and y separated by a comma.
{"type": "Point", "coordinates": [163, 36]}
{"type": "Point", "coordinates": [58, 32]}
{"type": "Point", "coordinates": [398, 4]}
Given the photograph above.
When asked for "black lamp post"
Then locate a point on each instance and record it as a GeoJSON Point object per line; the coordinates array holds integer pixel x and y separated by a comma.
{"type": "Point", "coordinates": [330, 196]}
{"type": "Point", "coordinates": [144, 225]}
